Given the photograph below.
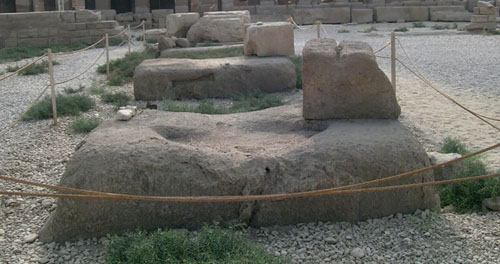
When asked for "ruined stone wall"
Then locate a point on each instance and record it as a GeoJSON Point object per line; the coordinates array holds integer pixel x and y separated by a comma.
{"type": "Point", "coordinates": [40, 29]}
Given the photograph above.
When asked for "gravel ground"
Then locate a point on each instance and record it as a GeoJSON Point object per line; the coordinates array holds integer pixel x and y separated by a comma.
{"type": "Point", "coordinates": [467, 69]}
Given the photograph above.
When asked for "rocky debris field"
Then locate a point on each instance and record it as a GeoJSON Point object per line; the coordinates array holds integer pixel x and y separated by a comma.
{"type": "Point", "coordinates": [463, 65]}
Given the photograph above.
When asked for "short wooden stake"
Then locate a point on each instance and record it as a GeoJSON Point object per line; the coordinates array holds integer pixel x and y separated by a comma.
{"type": "Point", "coordinates": [393, 60]}
{"type": "Point", "coordinates": [318, 28]}
{"type": "Point", "coordinates": [129, 35]}
{"type": "Point", "coordinates": [52, 86]}
{"type": "Point", "coordinates": [107, 56]}
{"type": "Point", "coordinates": [144, 32]}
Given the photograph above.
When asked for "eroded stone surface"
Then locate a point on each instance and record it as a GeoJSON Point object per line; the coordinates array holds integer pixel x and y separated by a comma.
{"type": "Point", "coordinates": [345, 81]}
{"type": "Point", "coordinates": [265, 152]}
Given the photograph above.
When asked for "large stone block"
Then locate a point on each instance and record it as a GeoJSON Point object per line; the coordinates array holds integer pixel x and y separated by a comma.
{"type": "Point", "coordinates": [405, 13]}
{"type": "Point", "coordinates": [327, 15]}
{"type": "Point", "coordinates": [211, 78]}
{"type": "Point", "coordinates": [449, 13]}
{"type": "Point", "coordinates": [108, 14]}
{"type": "Point", "coordinates": [201, 51]}
{"type": "Point", "coordinates": [362, 16]}
{"type": "Point", "coordinates": [160, 15]}
{"type": "Point", "coordinates": [125, 17]}
{"type": "Point", "coordinates": [179, 24]}
{"type": "Point", "coordinates": [345, 82]}
{"type": "Point", "coordinates": [217, 29]}
{"type": "Point", "coordinates": [272, 151]}
{"type": "Point", "coordinates": [87, 16]}
{"type": "Point", "coordinates": [243, 14]}
{"type": "Point", "coordinates": [68, 16]}
{"type": "Point", "coordinates": [270, 39]}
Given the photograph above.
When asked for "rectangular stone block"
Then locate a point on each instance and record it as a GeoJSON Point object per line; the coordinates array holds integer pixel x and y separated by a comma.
{"type": "Point", "coordinates": [449, 14]}
{"type": "Point", "coordinates": [476, 10]}
{"type": "Point", "coordinates": [478, 19]}
{"type": "Point", "coordinates": [488, 11]}
{"type": "Point", "coordinates": [108, 14]}
{"type": "Point", "coordinates": [481, 26]}
{"type": "Point", "coordinates": [269, 39]}
{"type": "Point", "coordinates": [362, 16]}
{"type": "Point", "coordinates": [405, 13]}
{"type": "Point", "coordinates": [27, 33]}
{"type": "Point", "coordinates": [68, 16]}
{"type": "Point", "coordinates": [161, 14]}
{"type": "Point", "coordinates": [87, 16]}
{"type": "Point", "coordinates": [125, 17]}
{"type": "Point", "coordinates": [492, 18]}
{"type": "Point", "coordinates": [181, 9]}
{"type": "Point", "coordinates": [332, 15]}
{"type": "Point", "coordinates": [143, 16]}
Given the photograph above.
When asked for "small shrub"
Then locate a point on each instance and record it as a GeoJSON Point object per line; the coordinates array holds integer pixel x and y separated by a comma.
{"type": "Point", "coordinates": [118, 99]}
{"type": "Point", "coordinates": [35, 69]}
{"type": "Point", "coordinates": [212, 245]}
{"type": "Point", "coordinates": [69, 90]}
{"type": "Point", "coordinates": [418, 24]}
{"type": "Point", "coordinates": [85, 125]}
{"type": "Point", "coordinates": [401, 29]}
{"type": "Point", "coordinates": [455, 26]}
{"type": "Point", "coordinates": [66, 105]}
{"type": "Point", "coordinates": [440, 27]}
{"type": "Point", "coordinates": [467, 196]}
{"type": "Point", "coordinates": [343, 31]}
{"type": "Point", "coordinates": [122, 70]}
{"type": "Point", "coordinates": [369, 30]}
{"type": "Point", "coordinates": [297, 61]}
{"type": "Point", "coordinates": [241, 103]}
{"type": "Point", "coordinates": [19, 53]}
{"type": "Point", "coordinates": [96, 89]}
{"type": "Point", "coordinates": [454, 145]}
{"type": "Point", "coordinates": [493, 32]}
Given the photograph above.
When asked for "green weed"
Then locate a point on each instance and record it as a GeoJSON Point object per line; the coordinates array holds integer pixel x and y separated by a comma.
{"type": "Point", "coordinates": [401, 29]}
{"type": "Point", "coordinates": [467, 196]}
{"type": "Point", "coordinates": [66, 105]}
{"type": "Point", "coordinates": [85, 125]}
{"type": "Point", "coordinates": [297, 61]}
{"type": "Point", "coordinates": [212, 245]}
{"type": "Point", "coordinates": [118, 99]}
{"type": "Point", "coordinates": [418, 24]}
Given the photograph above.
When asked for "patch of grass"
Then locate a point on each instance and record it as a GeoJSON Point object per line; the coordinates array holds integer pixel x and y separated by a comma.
{"type": "Point", "coordinates": [18, 53]}
{"type": "Point", "coordinates": [138, 38]}
{"type": "Point", "coordinates": [401, 29]}
{"type": "Point", "coordinates": [493, 32]}
{"type": "Point", "coordinates": [467, 196]}
{"type": "Point", "coordinates": [343, 31]}
{"type": "Point", "coordinates": [418, 24]}
{"type": "Point", "coordinates": [443, 27]}
{"type": "Point", "coordinates": [369, 30]}
{"type": "Point", "coordinates": [85, 125]}
{"type": "Point", "coordinates": [118, 99]}
{"type": "Point", "coordinates": [69, 90]}
{"type": "Point", "coordinates": [297, 61]}
{"type": "Point", "coordinates": [66, 105]}
{"type": "Point", "coordinates": [212, 245]}
{"type": "Point", "coordinates": [35, 69]}
{"type": "Point", "coordinates": [97, 89]}
{"type": "Point", "coordinates": [122, 70]}
{"type": "Point", "coordinates": [225, 53]}
{"type": "Point", "coordinates": [151, 41]}
{"type": "Point", "coordinates": [241, 103]}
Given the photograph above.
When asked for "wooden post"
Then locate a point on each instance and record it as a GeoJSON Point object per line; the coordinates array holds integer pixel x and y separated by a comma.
{"type": "Point", "coordinates": [144, 32]}
{"type": "Point", "coordinates": [318, 24]}
{"type": "Point", "coordinates": [129, 35]}
{"type": "Point", "coordinates": [107, 56]}
{"type": "Point", "coordinates": [393, 60]}
{"type": "Point", "coordinates": [52, 86]}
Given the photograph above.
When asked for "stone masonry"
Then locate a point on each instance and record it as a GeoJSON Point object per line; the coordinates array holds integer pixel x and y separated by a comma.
{"type": "Point", "coordinates": [40, 29]}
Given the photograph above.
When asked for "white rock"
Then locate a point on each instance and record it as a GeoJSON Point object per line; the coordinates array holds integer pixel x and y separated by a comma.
{"type": "Point", "coordinates": [30, 238]}
{"type": "Point", "coordinates": [2, 232]}
{"type": "Point", "coordinates": [358, 252]}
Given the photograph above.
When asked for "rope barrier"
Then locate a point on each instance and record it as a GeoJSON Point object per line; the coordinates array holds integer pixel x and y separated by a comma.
{"type": "Point", "coordinates": [86, 70]}
{"type": "Point", "coordinates": [423, 78]}
{"type": "Point", "coordinates": [80, 50]}
{"type": "Point", "coordinates": [287, 196]}
{"type": "Point", "coordinates": [384, 47]}
{"type": "Point", "coordinates": [247, 198]}
{"type": "Point", "coordinates": [119, 45]}
{"type": "Point", "coordinates": [117, 35]}
{"type": "Point", "coordinates": [23, 114]}
{"type": "Point", "coordinates": [24, 67]}
{"type": "Point", "coordinates": [140, 25]}
{"type": "Point", "coordinates": [300, 27]}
